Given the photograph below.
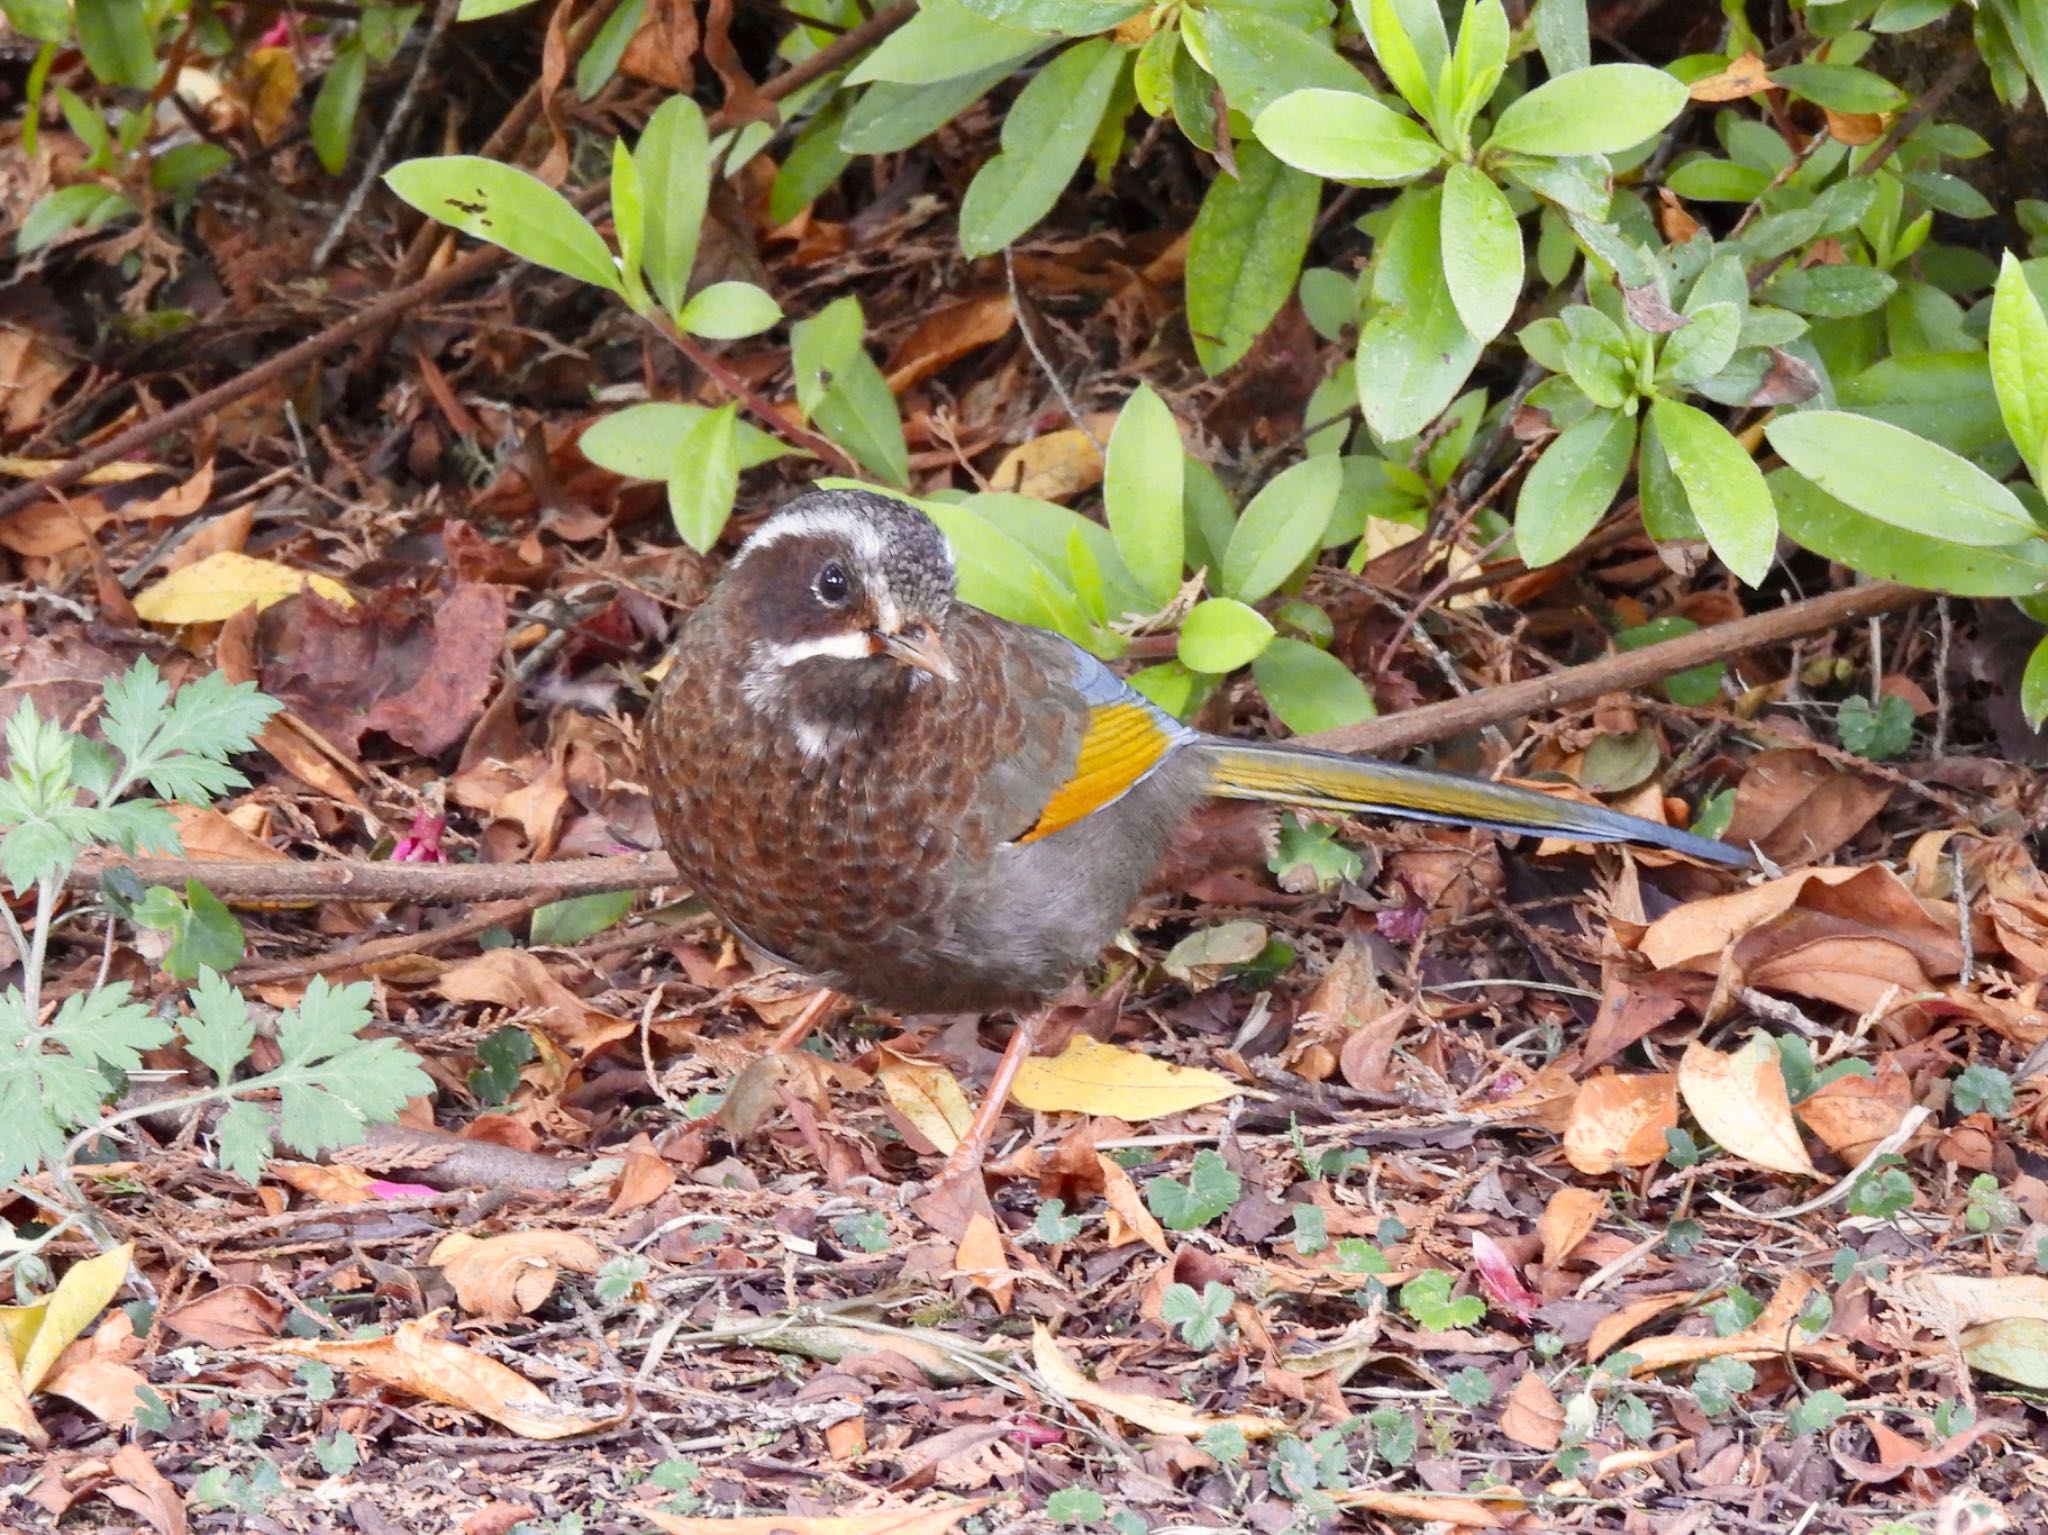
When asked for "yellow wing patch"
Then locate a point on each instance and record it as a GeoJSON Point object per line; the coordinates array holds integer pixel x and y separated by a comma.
{"type": "Point", "coordinates": [1124, 742]}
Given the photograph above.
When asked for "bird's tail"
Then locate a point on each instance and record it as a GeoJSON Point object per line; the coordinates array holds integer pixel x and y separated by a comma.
{"type": "Point", "coordinates": [1320, 780]}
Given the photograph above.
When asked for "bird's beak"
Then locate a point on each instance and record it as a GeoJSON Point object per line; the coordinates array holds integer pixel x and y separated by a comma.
{"type": "Point", "coordinates": [915, 646]}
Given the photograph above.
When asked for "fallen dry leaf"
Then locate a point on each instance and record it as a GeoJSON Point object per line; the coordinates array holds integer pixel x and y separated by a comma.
{"type": "Point", "coordinates": [1058, 465]}
{"type": "Point", "coordinates": [414, 1360]}
{"type": "Point", "coordinates": [1089, 1077]}
{"type": "Point", "coordinates": [1533, 1415]}
{"type": "Point", "coordinates": [1619, 1122]}
{"type": "Point", "coordinates": [1740, 1100]}
{"type": "Point", "coordinates": [1798, 807]}
{"type": "Point", "coordinates": [1465, 1513]}
{"type": "Point", "coordinates": [501, 1277]}
{"type": "Point", "coordinates": [215, 589]}
{"type": "Point", "coordinates": [979, 1260]}
{"type": "Point", "coordinates": [1160, 1415]}
{"type": "Point", "coordinates": [928, 1097]}
{"type": "Point", "coordinates": [1568, 1220]}
{"type": "Point", "coordinates": [1744, 76]}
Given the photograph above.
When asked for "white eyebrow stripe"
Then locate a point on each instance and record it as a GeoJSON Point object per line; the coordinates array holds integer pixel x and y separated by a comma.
{"type": "Point", "coordinates": [858, 531]}
{"type": "Point", "coordinates": [852, 645]}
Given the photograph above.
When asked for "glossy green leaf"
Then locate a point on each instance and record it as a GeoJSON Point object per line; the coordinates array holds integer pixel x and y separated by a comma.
{"type": "Point", "coordinates": [1596, 111]}
{"type": "Point", "coordinates": [1414, 353]}
{"type": "Point", "coordinates": [1257, 58]}
{"type": "Point", "coordinates": [943, 41]}
{"type": "Point", "coordinates": [333, 118]}
{"type": "Point", "coordinates": [1889, 473]}
{"type": "Point", "coordinates": [705, 478]}
{"type": "Point", "coordinates": [509, 208]}
{"type": "Point", "coordinates": [1310, 689]}
{"type": "Point", "coordinates": [2019, 365]}
{"type": "Point", "coordinates": [1243, 253]}
{"type": "Point", "coordinates": [1570, 488]}
{"type": "Point", "coordinates": [118, 43]}
{"type": "Point", "coordinates": [889, 118]}
{"type": "Point", "coordinates": [1142, 494]}
{"type": "Point", "coordinates": [1482, 252]}
{"type": "Point", "coordinates": [994, 572]}
{"type": "Point", "coordinates": [1045, 136]}
{"type": "Point", "coordinates": [641, 441]}
{"type": "Point", "coordinates": [1831, 292]}
{"type": "Point", "coordinates": [1281, 529]}
{"type": "Point", "coordinates": [1723, 486]}
{"type": "Point", "coordinates": [2034, 686]}
{"type": "Point", "coordinates": [1077, 18]}
{"type": "Point", "coordinates": [726, 311]}
{"type": "Point", "coordinates": [1840, 87]}
{"type": "Point", "coordinates": [1834, 530]}
{"type": "Point", "coordinates": [674, 158]}
{"type": "Point", "coordinates": [1407, 37]}
{"type": "Point", "coordinates": [1347, 137]}
{"type": "Point", "coordinates": [1220, 635]}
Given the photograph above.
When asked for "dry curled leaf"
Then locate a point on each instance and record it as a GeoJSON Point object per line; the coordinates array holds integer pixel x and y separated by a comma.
{"type": "Point", "coordinates": [502, 1277]}
{"type": "Point", "coordinates": [1160, 1415]}
{"type": "Point", "coordinates": [1740, 1100]}
{"type": "Point", "coordinates": [1619, 1122]}
{"type": "Point", "coordinates": [1089, 1077]}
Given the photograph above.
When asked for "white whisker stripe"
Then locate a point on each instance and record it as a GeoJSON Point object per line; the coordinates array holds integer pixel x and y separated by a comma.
{"type": "Point", "coordinates": [849, 645]}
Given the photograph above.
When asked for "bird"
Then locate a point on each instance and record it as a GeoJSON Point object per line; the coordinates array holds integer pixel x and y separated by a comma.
{"type": "Point", "coordinates": [927, 808]}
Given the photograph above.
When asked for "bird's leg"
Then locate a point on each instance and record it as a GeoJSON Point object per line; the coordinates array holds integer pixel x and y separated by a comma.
{"type": "Point", "coordinates": [799, 1029]}
{"type": "Point", "coordinates": [967, 1157]}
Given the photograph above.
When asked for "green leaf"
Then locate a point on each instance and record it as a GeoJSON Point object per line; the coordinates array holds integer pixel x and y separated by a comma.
{"type": "Point", "coordinates": [813, 163]}
{"type": "Point", "coordinates": [219, 1032]}
{"type": "Point", "coordinates": [1723, 485]}
{"type": "Point", "coordinates": [943, 41]}
{"type": "Point", "coordinates": [333, 118]}
{"type": "Point", "coordinates": [1572, 486]}
{"type": "Point", "coordinates": [55, 214]}
{"type": "Point", "coordinates": [580, 917]}
{"type": "Point", "coordinates": [2019, 365]}
{"type": "Point", "coordinates": [1596, 111]}
{"type": "Point", "coordinates": [705, 478]}
{"type": "Point", "coordinates": [889, 118]}
{"type": "Point", "coordinates": [1482, 246]}
{"type": "Point", "coordinates": [1309, 689]}
{"type": "Point", "coordinates": [1837, 531]}
{"type": "Point", "coordinates": [1045, 136]}
{"type": "Point", "coordinates": [1840, 87]}
{"type": "Point", "coordinates": [674, 160]}
{"type": "Point", "coordinates": [642, 441]}
{"type": "Point", "coordinates": [600, 61]}
{"type": "Point", "coordinates": [995, 572]}
{"type": "Point", "coordinates": [1702, 347]}
{"type": "Point", "coordinates": [1875, 734]}
{"type": "Point", "coordinates": [1243, 253]}
{"type": "Point", "coordinates": [2034, 686]}
{"type": "Point", "coordinates": [510, 209]}
{"type": "Point", "coordinates": [1075, 17]}
{"type": "Point", "coordinates": [1075, 1505]}
{"type": "Point", "coordinates": [1562, 34]}
{"type": "Point", "coordinates": [1220, 635]}
{"type": "Point", "coordinates": [1414, 352]}
{"type": "Point", "coordinates": [245, 1140]}
{"type": "Point", "coordinates": [1211, 1189]}
{"type": "Point", "coordinates": [1407, 37]}
{"type": "Point", "coordinates": [1198, 1316]}
{"type": "Point", "coordinates": [1896, 476]}
{"type": "Point", "coordinates": [1258, 58]}
{"type": "Point", "coordinates": [727, 311]}
{"type": "Point", "coordinates": [478, 10]}
{"type": "Point", "coordinates": [1347, 137]}
{"type": "Point", "coordinates": [1142, 494]}
{"type": "Point", "coordinates": [118, 42]}
{"type": "Point", "coordinates": [210, 937]}
{"type": "Point", "coordinates": [1282, 528]}
{"type": "Point", "coordinates": [500, 1055]}
{"type": "Point", "coordinates": [1831, 292]}
{"type": "Point", "coordinates": [844, 393]}
{"type": "Point", "coordinates": [47, 21]}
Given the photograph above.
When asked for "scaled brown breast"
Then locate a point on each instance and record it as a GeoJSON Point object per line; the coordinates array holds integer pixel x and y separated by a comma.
{"type": "Point", "coordinates": [845, 862]}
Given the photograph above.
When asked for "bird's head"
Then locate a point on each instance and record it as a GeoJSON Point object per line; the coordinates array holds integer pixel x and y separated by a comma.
{"type": "Point", "coordinates": [843, 597]}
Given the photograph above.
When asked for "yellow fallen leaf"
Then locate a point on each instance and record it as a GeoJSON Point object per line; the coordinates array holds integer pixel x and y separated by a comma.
{"type": "Point", "coordinates": [1740, 1100]}
{"type": "Point", "coordinates": [1156, 1413]}
{"type": "Point", "coordinates": [16, 1416]}
{"type": "Point", "coordinates": [441, 1370]}
{"type": "Point", "coordinates": [927, 1095]}
{"type": "Point", "coordinates": [1058, 465]}
{"type": "Point", "coordinates": [117, 473]}
{"type": "Point", "coordinates": [922, 1521]}
{"type": "Point", "coordinates": [1093, 1078]}
{"type": "Point", "coordinates": [218, 587]}
{"type": "Point", "coordinates": [81, 1295]}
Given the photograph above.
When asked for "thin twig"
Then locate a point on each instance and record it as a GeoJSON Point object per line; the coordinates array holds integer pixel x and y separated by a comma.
{"type": "Point", "coordinates": [373, 164]}
{"type": "Point", "coordinates": [1044, 362]}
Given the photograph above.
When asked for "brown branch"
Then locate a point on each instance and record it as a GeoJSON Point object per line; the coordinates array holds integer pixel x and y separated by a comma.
{"type": "Point", "coordinates": [1616, 674]}
{"type": "Point", "coordinates": [342, 879]}
{"type": "Point", "coordinates": [142, 437]}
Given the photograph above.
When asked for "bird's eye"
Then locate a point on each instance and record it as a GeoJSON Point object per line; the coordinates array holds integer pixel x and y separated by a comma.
{"type": "Point", "coordinates": [832, 586]}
